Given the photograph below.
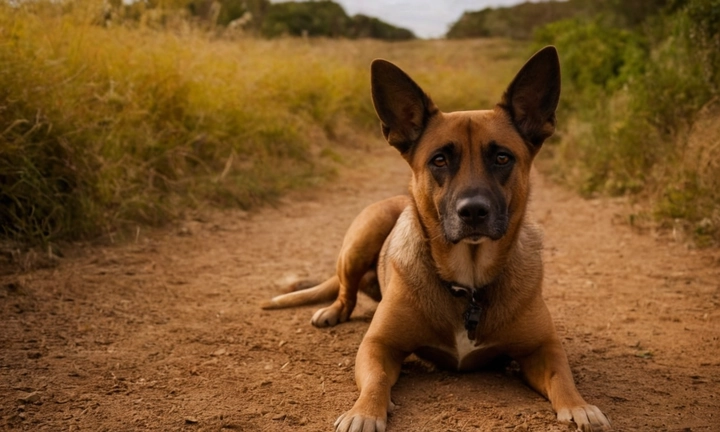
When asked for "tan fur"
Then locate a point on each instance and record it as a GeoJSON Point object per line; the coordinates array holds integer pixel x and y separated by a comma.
{"type": "Point", "coordinates": [464, 224]}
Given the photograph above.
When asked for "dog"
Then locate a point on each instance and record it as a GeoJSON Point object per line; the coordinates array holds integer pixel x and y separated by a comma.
{"type": "Point", "coordinates": [457, 264]}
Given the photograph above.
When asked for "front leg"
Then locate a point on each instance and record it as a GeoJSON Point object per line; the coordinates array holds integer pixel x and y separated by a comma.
{"type": "Point", "coordinates": [377, 368]}
{"type": "Point", "coordinates": [547, 370]}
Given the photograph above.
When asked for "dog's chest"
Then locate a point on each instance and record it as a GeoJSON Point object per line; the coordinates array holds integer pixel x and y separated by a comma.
{"type": "Point", "coordinates": [459, 353]}
{"type": "Point", "coordinates": [471, 354]}
{"type": "Point", "coordinates": [464, 346]}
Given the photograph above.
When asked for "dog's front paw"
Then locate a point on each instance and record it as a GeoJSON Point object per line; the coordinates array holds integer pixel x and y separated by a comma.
{"type": "Point", "coordinates": [356, 422]}
{"type": "Point", "coordinates": [336, 313]}
{"type": "Point", "coordinates": [588, 418]}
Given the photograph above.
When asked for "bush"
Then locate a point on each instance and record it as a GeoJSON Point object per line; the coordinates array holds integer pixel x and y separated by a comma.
{"type": "Point", "coordinates": [516, 22]}
{"type": "Point", "coordinates": [596, 59]}
{"type": "Point", "coordinates": [321, 18]}
{"type": "Point", "coordinates": [369, 27]}
{"type": "Point", "coordinates": [325, 18]}
{"type": "Point", "coordinates": [633, 100]}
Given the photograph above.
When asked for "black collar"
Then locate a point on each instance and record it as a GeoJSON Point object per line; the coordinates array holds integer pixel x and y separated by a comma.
{"type": "Point", "coordinates": [476, 300]}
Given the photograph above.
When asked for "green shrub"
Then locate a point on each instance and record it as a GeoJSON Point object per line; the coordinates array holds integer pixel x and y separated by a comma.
{"type": "Point", "coordinates": [364, 26]}
{"type": "Point", "coordinates": [320, 18]}
{"type": "Point", "coordinates": [596, 59]}
{"type": "Point", "coordinates": [702, 21]}
{"type": "Point", "coordinates": [325, 18]}
{"type": "Point", "coordinates": [518, 21]}
{"type": "Point", "coordinates": [632, 103]}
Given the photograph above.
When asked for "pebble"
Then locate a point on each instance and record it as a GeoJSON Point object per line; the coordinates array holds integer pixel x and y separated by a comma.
{"type": "Point", "coordinates": [29, 398]}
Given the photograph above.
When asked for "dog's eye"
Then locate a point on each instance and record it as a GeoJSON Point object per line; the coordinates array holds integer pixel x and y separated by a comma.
{"type": "Point", "coordinates": [502, 159]}
{"type": "Point", "coordinates": [439, 161]}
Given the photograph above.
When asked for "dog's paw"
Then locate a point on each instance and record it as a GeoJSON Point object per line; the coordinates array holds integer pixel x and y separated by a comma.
{"type": "Point", "coordinates": [350, 422]}
{"type": "Point", "coordinates": [328, 317]}
{"type": "Point", "coordinates": [332, 315]}
{"type": "Point", "coordinates": [588, 418]}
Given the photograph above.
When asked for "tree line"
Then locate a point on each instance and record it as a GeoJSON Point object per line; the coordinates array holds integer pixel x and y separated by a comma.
{"type": "Point", "coordinates": [522, 20]}
{"type": "Point", "coordinates": [318, 18]}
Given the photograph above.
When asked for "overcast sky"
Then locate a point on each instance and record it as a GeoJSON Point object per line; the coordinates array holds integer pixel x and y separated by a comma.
{"type": "Point", "coordinates": [426, 18]}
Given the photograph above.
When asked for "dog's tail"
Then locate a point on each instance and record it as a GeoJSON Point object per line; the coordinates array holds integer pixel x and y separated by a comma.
{"type": "Point", "coordinates": [300, 295]}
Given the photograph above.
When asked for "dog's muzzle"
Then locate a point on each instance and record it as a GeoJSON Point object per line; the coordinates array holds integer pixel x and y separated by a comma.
{"type": "Point", "coordinates": [475, 218]}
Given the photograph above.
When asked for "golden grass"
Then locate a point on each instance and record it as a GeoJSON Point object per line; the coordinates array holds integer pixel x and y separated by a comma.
{"type": "Point", "coordinates": [103, 128]}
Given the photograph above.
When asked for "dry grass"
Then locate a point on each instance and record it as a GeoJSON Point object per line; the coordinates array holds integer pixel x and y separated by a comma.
{"type": "Point", "coordinates": [104, 128]}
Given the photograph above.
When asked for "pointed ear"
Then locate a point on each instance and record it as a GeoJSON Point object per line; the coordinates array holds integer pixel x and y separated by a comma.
{"type": "Point", "coordinates": [402, 106]}
{"type": "Point", "coordinates": [532, 97]}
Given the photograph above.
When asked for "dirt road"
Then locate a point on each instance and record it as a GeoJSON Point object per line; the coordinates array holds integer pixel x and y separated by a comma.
{"type": "Point", "coordinates": [166, 334]}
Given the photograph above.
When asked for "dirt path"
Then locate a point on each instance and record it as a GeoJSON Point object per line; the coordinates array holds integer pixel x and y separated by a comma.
{"type": "Point", "coordinates": [166, 333]}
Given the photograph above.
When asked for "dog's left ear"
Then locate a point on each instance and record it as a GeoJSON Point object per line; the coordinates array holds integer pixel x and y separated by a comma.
{"type": "Point", "coordinates": [532, 97]}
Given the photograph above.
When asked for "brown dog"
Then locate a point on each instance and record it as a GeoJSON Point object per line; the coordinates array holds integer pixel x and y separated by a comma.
{"type": "Point", "coordinates": [458, 262]}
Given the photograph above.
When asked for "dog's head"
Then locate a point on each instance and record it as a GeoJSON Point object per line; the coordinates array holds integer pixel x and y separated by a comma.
{"type": "Point", "coordinates": [470, 168]}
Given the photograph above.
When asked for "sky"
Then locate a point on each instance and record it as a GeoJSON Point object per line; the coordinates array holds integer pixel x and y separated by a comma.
{"type": "Point", "coordinates": [426, 18]}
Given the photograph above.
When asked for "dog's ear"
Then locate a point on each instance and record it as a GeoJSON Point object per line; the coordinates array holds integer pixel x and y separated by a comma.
{"type": "Point", "coordinates": [532, 97]}
{"type": "Point", "coordinates": [402, 106]}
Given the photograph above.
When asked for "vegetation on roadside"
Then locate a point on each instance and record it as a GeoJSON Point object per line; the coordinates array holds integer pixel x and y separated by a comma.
{"type": "Point", "coordinates": [109, 123]}
{"type": "Point", "coordinates": [641, 109]}
{"type": "Point", "coordinates": [105, 128]}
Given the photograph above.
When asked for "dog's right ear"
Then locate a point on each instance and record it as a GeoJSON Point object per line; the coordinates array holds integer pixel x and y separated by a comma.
{"type": "Point", "coordinates": [403, 108]}
{"type": "Point", "coordinates": [533, 96]}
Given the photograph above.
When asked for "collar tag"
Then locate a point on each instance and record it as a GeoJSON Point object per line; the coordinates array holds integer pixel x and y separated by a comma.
{"type": "Point", "coordinates": [472, 319]}
{"type": "Point", "coordinates": [474, 310]}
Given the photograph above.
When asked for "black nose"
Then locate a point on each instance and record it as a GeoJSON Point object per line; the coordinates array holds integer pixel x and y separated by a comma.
{"type": "Point", "coordinates": [473, 210]}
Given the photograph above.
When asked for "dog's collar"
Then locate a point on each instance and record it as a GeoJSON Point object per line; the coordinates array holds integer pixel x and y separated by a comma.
{"type": "Point", "coordinates": [476, 299]}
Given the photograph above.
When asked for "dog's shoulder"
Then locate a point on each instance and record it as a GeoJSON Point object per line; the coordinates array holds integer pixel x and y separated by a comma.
{"type": "Point", "coordinates": [407, 245]}
{"type": "Point", "coordinates": [408, 250]}
{"type": "Point", "coordinates": [530, 238]}
{"type": "Point", "coordinates": [525, 263]}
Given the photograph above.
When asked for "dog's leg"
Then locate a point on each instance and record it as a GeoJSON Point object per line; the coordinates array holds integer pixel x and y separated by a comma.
{"type": "Point", "coordinates": [349, 285]}
{"type": "Point", "coordinates": [339, 311]}
{"type": "Point", "coordinates": [377, 368]}
{"type": "Point", "coordinates": [547, 370]}
{"type": "Point", "coordinates": [370, 285]}
{"type": "Point", "coordinates": [358, 257]}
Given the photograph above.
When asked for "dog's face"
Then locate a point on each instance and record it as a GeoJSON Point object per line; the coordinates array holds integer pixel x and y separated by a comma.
{"type": "Point", "coordinates": [470, 168]}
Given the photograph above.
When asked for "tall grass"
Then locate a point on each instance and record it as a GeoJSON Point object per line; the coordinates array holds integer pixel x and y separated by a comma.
{"type": "Point", "coordinates": [103, 128]}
